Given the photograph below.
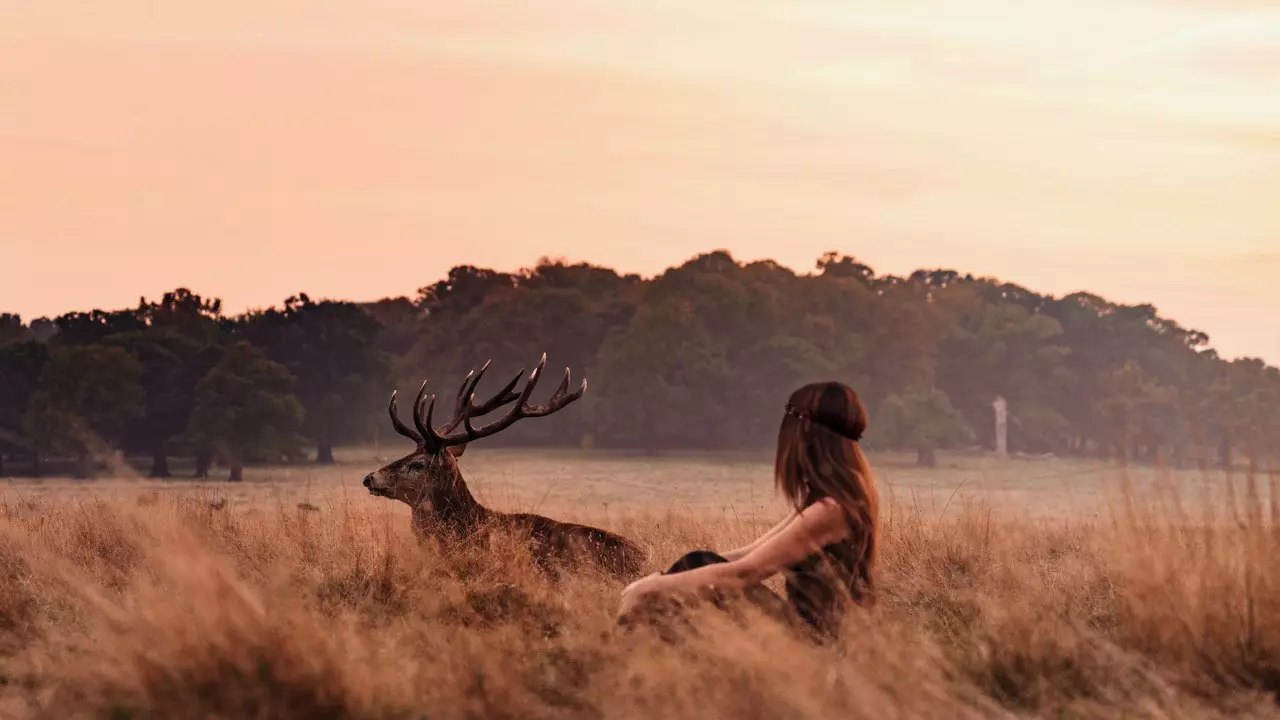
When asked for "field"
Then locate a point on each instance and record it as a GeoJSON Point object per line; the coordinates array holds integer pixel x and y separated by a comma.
{"type": "Point", "coordinates": [1015, 588]}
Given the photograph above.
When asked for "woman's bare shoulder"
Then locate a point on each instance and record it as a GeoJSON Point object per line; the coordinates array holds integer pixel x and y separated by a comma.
{"type": "Point", "coordinates": [823, 507]}
{"type": "Point", "coordinates": [826, 517]}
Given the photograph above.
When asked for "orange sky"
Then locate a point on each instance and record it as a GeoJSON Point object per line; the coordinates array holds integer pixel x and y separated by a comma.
{"type": "Point", "coordinates": [253, 148]}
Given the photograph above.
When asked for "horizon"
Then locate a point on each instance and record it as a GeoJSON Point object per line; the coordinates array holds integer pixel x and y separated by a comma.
{"type": "Point", "coordinates": [359, 151]}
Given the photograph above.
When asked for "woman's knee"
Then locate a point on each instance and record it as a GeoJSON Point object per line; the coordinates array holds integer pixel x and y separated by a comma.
{"type": "Point", "coordinates": [693, 560]}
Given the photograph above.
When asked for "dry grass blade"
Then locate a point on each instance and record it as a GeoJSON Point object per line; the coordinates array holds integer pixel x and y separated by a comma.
{"type": "Point", "coordinates": [172, 609]}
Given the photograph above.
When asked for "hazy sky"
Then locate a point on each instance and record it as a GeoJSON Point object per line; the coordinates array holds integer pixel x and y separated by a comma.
{"type": "Point", "coordinates": [249, 149]}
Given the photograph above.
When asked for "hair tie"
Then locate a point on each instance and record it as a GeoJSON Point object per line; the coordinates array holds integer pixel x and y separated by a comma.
{"type": "Point", "coordinates": [802, 415]}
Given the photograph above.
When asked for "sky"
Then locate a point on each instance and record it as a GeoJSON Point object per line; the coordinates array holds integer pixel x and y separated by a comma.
{"type": "Point", "coordinates": [252, 149]}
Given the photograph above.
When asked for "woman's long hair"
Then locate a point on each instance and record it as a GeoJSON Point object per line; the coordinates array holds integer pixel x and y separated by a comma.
{"type": "Point", "coordinates": [819, 457]}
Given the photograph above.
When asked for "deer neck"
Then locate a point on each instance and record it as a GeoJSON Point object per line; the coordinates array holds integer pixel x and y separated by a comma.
{"type": "Point", "coordinates": [451, 504]}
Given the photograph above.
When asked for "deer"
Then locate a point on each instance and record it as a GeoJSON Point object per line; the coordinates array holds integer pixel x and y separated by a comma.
{"type": "Point", "coordinates": [430, 481]}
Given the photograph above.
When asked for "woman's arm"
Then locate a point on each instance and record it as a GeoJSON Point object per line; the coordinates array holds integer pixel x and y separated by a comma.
{"type": "Point", "coordinates": [818, 525]}
{"type": "Point", "coordinates": [739, 553]}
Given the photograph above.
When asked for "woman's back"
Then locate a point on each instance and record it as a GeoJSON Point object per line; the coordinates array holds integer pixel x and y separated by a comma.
{"type": "Point", "coordinates": [820, 587]}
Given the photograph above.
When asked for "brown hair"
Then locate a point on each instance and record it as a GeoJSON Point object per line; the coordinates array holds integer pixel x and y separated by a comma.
{"type": "Point", "coordinates": [819, 457]}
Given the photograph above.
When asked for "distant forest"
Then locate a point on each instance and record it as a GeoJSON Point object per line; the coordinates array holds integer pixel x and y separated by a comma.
{"type": "Point", "coordinates": [702, 356]}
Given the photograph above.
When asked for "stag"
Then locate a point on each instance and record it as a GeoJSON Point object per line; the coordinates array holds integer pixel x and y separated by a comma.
{"type": "Point", "coordinates": [430, 482]}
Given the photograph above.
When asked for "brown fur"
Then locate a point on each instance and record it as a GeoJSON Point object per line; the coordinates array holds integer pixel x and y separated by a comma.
{"type": "Point", "coordinates": [431, 484]}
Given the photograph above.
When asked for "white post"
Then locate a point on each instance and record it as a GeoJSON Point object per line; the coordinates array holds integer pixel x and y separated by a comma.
{"type": "Point", "coordinates": [1002, 427]}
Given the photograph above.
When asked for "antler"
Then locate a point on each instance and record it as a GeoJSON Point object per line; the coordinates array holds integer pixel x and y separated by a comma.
{"type": "Point", "coordinates": [400, 427]}
{"type": "Point", "coordinates": [466, 409]}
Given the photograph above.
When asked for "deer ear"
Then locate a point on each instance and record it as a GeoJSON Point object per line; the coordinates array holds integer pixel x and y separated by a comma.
{"type": "Point", "coordinates": [457, 450]}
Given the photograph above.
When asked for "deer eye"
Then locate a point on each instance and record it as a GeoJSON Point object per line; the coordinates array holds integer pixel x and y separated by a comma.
{"type": "Point", "coordinates": [417, 465]}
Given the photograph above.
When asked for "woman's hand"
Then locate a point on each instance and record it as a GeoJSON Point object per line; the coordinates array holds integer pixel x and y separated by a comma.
{"type": "Point", "coordinates": [817, 526]}
{"type": "Point", "coordinates": [639, 583]}
{"type": "Point", "coordinates": [634, 593]}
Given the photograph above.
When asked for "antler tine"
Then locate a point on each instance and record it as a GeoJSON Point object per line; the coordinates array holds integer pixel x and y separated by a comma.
{"type": "Point", "coordinates": [533, 380]}
{"type": "Point", "coordinates": [466, 391]}
{"type": "Point", "coordinates": [559, 399]}
{"type": "Point", "coordinates": [560, 391]}
{"type": "Point", "coordinates": [400, 427]}
{"type": "Point", "coordinates": [430, 438]}
{"type": "Point", "coordinates": [564, 385]}
{"type": "Point", "coordinates": [431, 431]}
{"type": "Point", "coordinates": [461, 401]}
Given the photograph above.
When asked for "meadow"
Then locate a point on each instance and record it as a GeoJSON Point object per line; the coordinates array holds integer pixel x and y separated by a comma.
{"type": "Point", "coordinates": [1008, 589]}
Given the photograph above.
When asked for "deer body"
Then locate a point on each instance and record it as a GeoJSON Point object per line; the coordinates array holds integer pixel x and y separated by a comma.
{"type": "Point", "coordinates": [430, 482]}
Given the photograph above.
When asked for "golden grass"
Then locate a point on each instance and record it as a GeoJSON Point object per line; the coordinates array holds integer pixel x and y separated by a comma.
{"type": "Point", "coordinates": [166, 607]}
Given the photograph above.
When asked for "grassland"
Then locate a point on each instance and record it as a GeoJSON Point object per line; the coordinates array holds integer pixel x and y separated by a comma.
{"type": "Point", "coordinates": [1021, 589]}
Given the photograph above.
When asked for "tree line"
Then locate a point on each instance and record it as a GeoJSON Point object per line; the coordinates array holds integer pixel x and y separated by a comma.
{"type": "Point", "coordinates": [699, 357]}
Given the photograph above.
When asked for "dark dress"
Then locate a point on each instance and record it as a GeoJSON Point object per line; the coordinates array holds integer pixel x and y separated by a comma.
{"type": "Point", "coordinates": [818, 588]}
{"type": "Point", "coordinates": [821, 586]}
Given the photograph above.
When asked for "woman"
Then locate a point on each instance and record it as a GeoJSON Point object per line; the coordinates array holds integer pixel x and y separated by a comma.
{"type": "Point", "coordinates": [827, 545]}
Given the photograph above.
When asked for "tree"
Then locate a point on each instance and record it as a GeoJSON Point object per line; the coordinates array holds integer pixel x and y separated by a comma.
{"type": "Point", "coordinates": [902, 338]}
{"type": "Point", "coordinates": [1246, 408]}
{"type": "Point", "coordinates": [86, 396]}
{"type": "Point", "coordinates": [1124, 405]}
{"type": "Point", "coordinates": [663, 383]}
{"type": "Point", "coordinates": [245, 408]}
{"type": "Point", "coordinates": [921, 419]}
{"type": "Point", "coordinates": [184, 313]}
{"type": "Point", "coordinates": [998, 343]}
{"type": "Point", "coordinates": [836, 265]}
{"type": "Point", "coordinates": [767, 373]}
{"type": "Point", "coordinates": [562, 310]}
{"type": "Point", "coordinates": [171, 364]}
{"type": "Point", "coordinates": [176, 347]}
{"type": "Point", "coordinates": [401, 323]}
{"type": "Point", "coordinates": [1102, 337]}
{"type": "Point", "coordinates": [88, 328]}
{"type": "Point", "coordinates": [466, 287]}
{"type": "Point", "coordinates": [20, 366]}
{"type": "Point", "coordinates": [11, 329]}
{"type": "Point", "coordinates": [330, 348]}
{"type": "Point", "coordinates": [700, 357]}
{"type": "Point", "coordinates": [42, 329]}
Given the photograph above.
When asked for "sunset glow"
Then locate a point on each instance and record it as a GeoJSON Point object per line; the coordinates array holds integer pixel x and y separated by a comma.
{"type": "Point", "coordinates": [250, 150]}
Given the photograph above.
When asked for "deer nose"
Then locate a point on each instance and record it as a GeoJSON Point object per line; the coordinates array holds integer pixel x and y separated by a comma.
{"type": "Point", "coordinates": [368, 480]}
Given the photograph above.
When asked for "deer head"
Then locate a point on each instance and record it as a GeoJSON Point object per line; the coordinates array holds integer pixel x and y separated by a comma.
{"type": "Point", "coordinates": [428, 479]}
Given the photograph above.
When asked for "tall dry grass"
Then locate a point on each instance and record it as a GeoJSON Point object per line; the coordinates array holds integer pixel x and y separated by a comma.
{"type": "Point", "coordinates": [177, 609]}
